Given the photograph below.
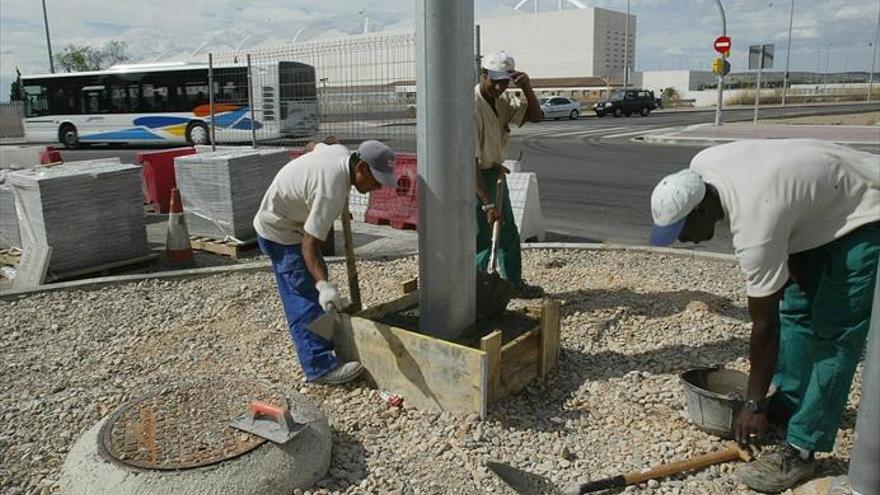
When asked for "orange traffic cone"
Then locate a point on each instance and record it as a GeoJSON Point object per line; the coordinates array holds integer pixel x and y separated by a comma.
{"type": "Point", "coordinates": [177, 246]}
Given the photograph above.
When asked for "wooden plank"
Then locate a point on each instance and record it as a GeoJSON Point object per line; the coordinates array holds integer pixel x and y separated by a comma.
{"type": "Point", "coordinates": [100, 268]}
{"type": "Point", "coordinates": [410, 285]}
{"type": "Point", "coordinates": [549, 336]}
{"type": "Point", "coordinates": [491, 345]}
{"type": "Point", "coordinates": [404, 302]}
{"type": "Point", "coordinates": [520, 363]}
{"type": "Point", "coordinates": [428, 373]}
{"type": "Point", "coordinates": [354, 287]}
{"type": "Point", "coordinates": [224, 248]}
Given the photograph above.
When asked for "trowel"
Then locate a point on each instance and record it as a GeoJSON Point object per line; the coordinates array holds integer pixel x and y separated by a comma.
{"type": "Point", "coordinates": [325, 325]}
{"type": "Point", "coordinates": [267, 421]}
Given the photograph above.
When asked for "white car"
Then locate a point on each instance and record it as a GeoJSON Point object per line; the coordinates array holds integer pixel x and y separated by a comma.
{"type": "Point", "coordinates": [556, 107]}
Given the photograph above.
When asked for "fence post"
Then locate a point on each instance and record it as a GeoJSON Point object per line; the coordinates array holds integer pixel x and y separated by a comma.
{"type": "Point", "coordinates": [250, 77]}
{"type": "Point", "coordinates": [211, 98]}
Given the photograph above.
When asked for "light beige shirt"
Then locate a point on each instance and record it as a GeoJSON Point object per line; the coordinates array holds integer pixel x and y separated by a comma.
{"type": "Point", "coordinates": [493, 129]}
{"type": "Point", "coordinates": [786, 196]}
{"type": "Point", "coordinates": [306, 196]}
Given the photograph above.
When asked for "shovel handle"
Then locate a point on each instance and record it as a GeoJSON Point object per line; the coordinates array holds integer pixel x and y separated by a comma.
{"type": "Point", "coordinates": [259, 408]}
{"type": "Point", "coordinates": [635, 477]}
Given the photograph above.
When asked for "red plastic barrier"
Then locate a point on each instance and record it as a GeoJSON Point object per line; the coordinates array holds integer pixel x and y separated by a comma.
{"type": "Point", "coordinates": [398, 207]}
{"type": "Point", "coordinates": [158, 175]}
{"type": "Point", "coordinates": [50, 155]}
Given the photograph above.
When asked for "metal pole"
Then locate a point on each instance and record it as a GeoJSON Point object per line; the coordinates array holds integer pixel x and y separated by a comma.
{"type": "Point", "coordinates": [48, 41]}
{"type": "Point", "coordinates": [758, 88]}
{"type": "Point", "coordinates": [721, 76]}
{"type": "Point", "coordinates": [626, 49]}
{"type": "Point", "coordinates": [863, 476]}
{"type": "Point", "coordinates": [874, 57]}
{"type": "Point", "coordinates": [447, 182]}
{"type": "Point", "coordinates": [827, 66]}
{"type": "Point", "coordinates": [478, 58]}
{"type": "Point", "coordinates": [250, 76]}
{"type": "Point", "coordinates": [787, 53]}
{"type": "Point", "coordinates": [211, 98]}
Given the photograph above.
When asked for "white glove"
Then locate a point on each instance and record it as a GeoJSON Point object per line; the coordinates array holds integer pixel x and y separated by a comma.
{"type": "Point", "coordinates": [328, 295]}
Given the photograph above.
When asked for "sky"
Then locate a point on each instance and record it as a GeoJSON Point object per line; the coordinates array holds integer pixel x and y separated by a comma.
{"type": "Point", "coordinates": [671, 34]}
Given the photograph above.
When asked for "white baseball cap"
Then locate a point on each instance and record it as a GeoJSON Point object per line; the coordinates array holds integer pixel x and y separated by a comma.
{"type": "Point", "coordinates": [672, 201]}
{"type": "Point", "coordinates": [380, 158]}
{"type": "Point", "coordinates": [500, 65]}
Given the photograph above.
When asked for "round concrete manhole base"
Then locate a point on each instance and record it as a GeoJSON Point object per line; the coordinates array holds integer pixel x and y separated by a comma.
{"type": "Point", "coordinates": [167, 443]}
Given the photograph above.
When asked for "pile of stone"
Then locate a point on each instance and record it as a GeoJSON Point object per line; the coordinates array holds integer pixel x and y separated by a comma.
{"type": "Point", "coordinates": [222, 190]}
{"type": "Point", "coordinates": [90, 213]}
{"type": "Point", "coordinates": [9, 236]}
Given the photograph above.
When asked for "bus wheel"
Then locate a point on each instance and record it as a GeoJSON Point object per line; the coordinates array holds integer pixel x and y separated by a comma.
{"type": "Point", "coordinates": [68, 136]}
{"type": "Point", "coordinates": [197, 133]}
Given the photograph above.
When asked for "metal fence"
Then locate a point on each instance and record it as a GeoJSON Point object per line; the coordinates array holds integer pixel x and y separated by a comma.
{"type": "Point", "coordinates": [11, 115]}
{"type": "Point", "coordinates": [354, 89]}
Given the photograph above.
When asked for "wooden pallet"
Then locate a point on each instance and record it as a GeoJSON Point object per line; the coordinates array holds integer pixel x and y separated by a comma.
{"type": "Point", "coordinates": [10, 256]}
{"type": "Point", "coordinates": [103, 269]}
{"type": "Point", "coordinates": [222, 247]}
{"type": "Point", "coordinates": [436, 374]}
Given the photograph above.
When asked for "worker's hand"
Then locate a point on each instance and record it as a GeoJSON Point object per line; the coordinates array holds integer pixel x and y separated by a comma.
{"type": "Point", "coordinates": [328, 295]}
{"type": "Point", "coordinates": [521, 79]}
{"type": "Point", "coordinates": [493, 214]}
{"type": "Point", "coordinates": [750, 427]}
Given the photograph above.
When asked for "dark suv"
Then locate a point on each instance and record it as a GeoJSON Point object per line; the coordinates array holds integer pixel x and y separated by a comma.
{"type": "Point", "coordinates": [627, 102]}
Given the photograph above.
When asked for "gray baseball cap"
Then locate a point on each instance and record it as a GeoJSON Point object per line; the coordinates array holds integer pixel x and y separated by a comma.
{"type": "Point", "coordinates": [380, 158]}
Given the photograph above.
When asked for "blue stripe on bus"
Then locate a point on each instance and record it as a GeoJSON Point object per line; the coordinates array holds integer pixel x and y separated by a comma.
{"type": "Point", "coordinates": [154, 122]}
{"type": "Point", "coordinates": [245, 125]}
{"type": "Point", "coordinates": [230, 118]}
{"type": "Point", "coordinates": [130, 134]}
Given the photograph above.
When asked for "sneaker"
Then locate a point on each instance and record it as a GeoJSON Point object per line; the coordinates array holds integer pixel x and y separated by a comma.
{"type": "Point", "coordinates": [343, 373]}
{"type": "Point", "coordinates": [778, 468]}
{"type": "Point", "coordinates": [529, 291]}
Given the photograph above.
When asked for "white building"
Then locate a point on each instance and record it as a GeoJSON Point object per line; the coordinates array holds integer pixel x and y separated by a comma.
{"type": "Point", "coordinates": [687, 83]}
{"type": "Point", "coordinates": [567, 43]}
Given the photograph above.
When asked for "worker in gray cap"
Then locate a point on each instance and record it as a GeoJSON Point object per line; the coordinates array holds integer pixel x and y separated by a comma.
{"type": "Point", "coordinates": [495, 110]}
{"type": "Point", "coordinates": [805, 219]}
{"type": "Point", "coordinates": [295, 216]}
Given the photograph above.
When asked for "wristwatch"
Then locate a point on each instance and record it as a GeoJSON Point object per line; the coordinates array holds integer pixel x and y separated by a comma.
{"type": "Point", "coordinates": [488, 206]}
{"type": "Point", "coordinates": [756, 406]}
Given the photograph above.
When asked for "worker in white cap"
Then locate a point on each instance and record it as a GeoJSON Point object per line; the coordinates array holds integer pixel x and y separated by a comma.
{"type": "Point", "coordinates": [806, 231]}
{"type": "Point", "coordinates": [495, 111]}
{"type": "Point", "coordinates": [296, 214]}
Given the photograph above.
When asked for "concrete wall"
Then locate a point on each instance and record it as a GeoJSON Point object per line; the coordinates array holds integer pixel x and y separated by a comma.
{"type": "Point", "coordinates": [549, 44]}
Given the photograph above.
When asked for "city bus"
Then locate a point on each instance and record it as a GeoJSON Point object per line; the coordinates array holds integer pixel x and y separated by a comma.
{"type": "Point", "coordinates": [169, 103]}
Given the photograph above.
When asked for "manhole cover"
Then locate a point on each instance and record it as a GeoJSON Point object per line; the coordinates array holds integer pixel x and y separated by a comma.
{"type": "Point", "coordinates": [184, 427]}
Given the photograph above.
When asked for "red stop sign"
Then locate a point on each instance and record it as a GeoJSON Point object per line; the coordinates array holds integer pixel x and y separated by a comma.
{"type": "Point", "coordinates": [722, 44]}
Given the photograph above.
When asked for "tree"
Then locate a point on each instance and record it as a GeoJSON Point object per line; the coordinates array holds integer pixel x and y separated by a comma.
{"type": "Point", "coordinates": [670, 93]}
{"type": "Point", "coordinates": [80, 58]}
{"type": "Point", "coordinates": [16, 89]}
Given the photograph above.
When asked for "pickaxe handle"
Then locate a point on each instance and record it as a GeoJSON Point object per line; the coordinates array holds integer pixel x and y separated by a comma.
{"type": "Point", "coordinates": [732, 453]}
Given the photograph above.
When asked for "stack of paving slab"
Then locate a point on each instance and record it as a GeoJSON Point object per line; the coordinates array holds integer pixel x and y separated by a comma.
{"type": "Point", "coordinates": [9, 236]}
{"type": "Point", "coordinates": [221, 191]}
{"type": "Point", "coordinates": [90, 213]}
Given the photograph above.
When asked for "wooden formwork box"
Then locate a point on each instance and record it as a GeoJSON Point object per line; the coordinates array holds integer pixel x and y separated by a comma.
{"type": "Point", "coordinates": [436, 374]}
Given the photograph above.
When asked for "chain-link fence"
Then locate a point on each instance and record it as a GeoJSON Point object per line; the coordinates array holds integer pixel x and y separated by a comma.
{"type": "Point", "coordinates": [354, 89]}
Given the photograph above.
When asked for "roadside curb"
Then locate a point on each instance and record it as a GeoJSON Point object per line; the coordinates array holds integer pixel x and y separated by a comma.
{"type": "Point", "coordinates": [675, 138]}
{"type": "Point", "coordinates": [265, 265]}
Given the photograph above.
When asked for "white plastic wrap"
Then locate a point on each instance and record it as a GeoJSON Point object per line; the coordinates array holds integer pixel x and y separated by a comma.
{"type": "Point", "coordinates": [9, 236]}
{"type": "Point", "coordinates": [221, 191]}
{"type": "Point", "coordinates": [90, 213]}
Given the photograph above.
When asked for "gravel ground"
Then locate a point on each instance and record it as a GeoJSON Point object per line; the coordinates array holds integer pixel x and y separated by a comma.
{"type": "Point", "coordinates": [631, 322]}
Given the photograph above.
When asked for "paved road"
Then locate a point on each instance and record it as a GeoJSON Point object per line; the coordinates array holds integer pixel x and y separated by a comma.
{"type": "Point", "coordinates": [595, 180]}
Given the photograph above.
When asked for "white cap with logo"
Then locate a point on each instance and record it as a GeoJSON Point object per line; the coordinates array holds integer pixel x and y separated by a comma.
{"type": "Point", "coordinates": [500, 65]}
{"type": "Point", "coordinates": [672, 201]}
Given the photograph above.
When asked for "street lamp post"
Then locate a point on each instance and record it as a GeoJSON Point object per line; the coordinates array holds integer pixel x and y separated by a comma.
{"type": "Point", "coordinates": [626, 49]}
{"type": "Point", "coordinates": [787, 53]}
{"type": "Point", "coordinates": [827, 67]}
{"type": "Point", "coordinates": [48, 41]}
{"type": "Point", "coordinates": [720, 75]}
{"type": "Point", "coordinates": [874, 57]}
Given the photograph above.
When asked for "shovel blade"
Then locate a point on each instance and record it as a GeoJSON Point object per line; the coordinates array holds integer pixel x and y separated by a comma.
{"type": "Point", "coordinates": [493, 295]}
{"type": "Point", "coordinates": [523, 482]}
{"type": "Point", "coordinates": [324, 326]}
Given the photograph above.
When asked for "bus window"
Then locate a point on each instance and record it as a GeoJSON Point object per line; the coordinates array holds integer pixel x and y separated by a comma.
{"type": "Point", "coordinates": [94, 99]}
{"type": "Point", "coordinates": [36, 101]}
{"type": "Point", "coordinates": [119, 100]}
{"type": "Point", "coordinates": [155, 98]}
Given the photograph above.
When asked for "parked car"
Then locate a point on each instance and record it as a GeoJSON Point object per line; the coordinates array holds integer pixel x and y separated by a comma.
{"type": "Point", "coordinates": [556, 107]}
{"type": "Point", "coordinates": [627, 102]}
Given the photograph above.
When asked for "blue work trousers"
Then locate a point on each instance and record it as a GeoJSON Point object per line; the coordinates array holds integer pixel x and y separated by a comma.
{"type": "Point", "coordinates": [296, 286]}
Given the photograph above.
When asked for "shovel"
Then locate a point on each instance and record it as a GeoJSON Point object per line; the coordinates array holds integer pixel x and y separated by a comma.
{"type": "Point", "coordinates": [493, 292]}
{"type": "Point", "coordinates": [524, 482]}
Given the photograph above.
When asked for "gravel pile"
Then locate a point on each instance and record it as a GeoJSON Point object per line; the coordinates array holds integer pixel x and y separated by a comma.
{"type": "Point", "coordinates": [631, 322]}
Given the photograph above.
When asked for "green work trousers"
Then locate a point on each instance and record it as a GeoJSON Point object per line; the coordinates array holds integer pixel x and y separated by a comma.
{"type": "Point", "coordinates": [509, 253]}
{"type": "Point", "coordinates": [824, 320]}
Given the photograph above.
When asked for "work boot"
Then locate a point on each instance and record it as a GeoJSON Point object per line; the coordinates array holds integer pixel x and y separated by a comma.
{"type": "Point", "coordinates": [777, 469]}
{"type": "Point", "coordinates": [528, 291]}
{"type": "Point", "coordinates": [343, 373]}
